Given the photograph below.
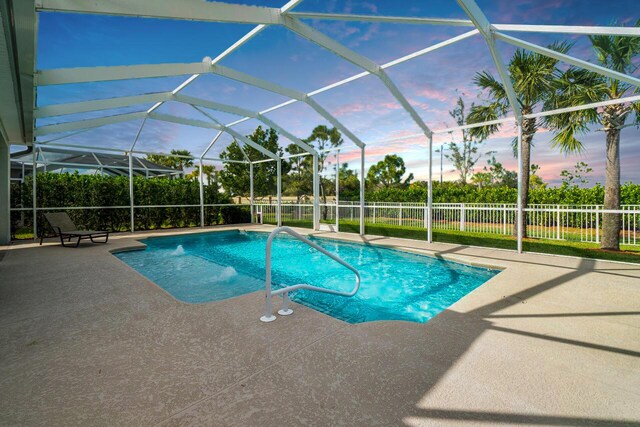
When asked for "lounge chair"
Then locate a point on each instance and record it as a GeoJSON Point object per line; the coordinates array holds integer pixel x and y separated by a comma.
{"type": "Point", "coordinates": [66, 229]}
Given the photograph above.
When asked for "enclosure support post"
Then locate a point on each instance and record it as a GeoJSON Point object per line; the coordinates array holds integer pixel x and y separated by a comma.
{"type": "Point", "coordinates": [201, 176]}
{"type": "Point", "coordinates": [441, 155]}
{"type": "Point", "coordinates": [362, 191]}
{"type": "Point", "coordinates": [34, 172]}
{"type": "Point", "coordinates": [5, 191]}
{"type": "Point", "coordinates": [251, 191]}
{"type": "Point", "coordinates": [279, 190]}
{"type": "Point", "coordinates": [430, 193]}
{"type": "Point", "coordinates": [131, 191]}
{"type": "Point", "coordinates": [316, 194]}
{"type": "Point", "coordinates": [520, 189]}
{"type": "Point", "coordinates": [338, 190]}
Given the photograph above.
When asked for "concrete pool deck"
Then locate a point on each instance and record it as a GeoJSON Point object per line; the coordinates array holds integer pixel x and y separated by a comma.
{"type": "Point", "coordinates": [86, 340]}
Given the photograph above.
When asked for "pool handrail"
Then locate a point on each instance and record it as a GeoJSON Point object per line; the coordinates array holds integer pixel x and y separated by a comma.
{"type": "Point", "coordinates": [285, 311]}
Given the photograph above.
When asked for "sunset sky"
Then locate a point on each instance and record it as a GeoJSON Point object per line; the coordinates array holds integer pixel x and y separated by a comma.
{"type": "Point", "coordinates": [431, 82]}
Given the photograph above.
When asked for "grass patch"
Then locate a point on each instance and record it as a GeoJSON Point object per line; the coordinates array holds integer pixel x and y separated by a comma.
{"type": "Point", "coordinates": [555, 247]}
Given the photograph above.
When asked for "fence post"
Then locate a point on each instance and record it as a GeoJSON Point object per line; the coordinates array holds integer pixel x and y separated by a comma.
{"type": "Point", "coordinates": [597, 224]}
{"type": "Point", "coordinates": [504, 219]}
{"type": "Point", "coordinates": [558, 224]}
{"type": "Point", "coordinates": [462, 217]}
{"type": "Point", "coordinates": [426, 208]}
{"type": "Point", "coordinates": [374, 212]}
{"type": "Point", "coordinates": [400, 215]}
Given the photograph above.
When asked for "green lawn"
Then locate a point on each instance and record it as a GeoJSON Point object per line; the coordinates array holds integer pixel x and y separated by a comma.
{"type": "Point", "coordinates": [556, 247]}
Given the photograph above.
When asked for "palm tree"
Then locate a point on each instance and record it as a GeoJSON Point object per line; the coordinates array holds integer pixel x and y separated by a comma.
{"type": "Point", "coordinates": [208, 171]}
{"type": "Point", "coordinates": [577, 87]}
{"type": "Point", "coordinates": [181, 162]}
{"type": "Point", "coordinates": [172, 161]}
{"type": "Point", "coordinates": [532, 76]}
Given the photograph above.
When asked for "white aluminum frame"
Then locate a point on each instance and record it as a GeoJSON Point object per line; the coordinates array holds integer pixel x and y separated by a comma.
{"type": "Point", "coordinates": [285, 17]}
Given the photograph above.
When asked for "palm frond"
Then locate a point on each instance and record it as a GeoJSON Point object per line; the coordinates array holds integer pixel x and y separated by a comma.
{"type": "Point", "coordinates": [565, 139]}
{"type": "Point", "coordinates": [485, 80]}
{"type": "Point", "coordinates": [485, 113]}
{"type": "Point", "coordinates": [575, 87]}
{"type": "Point", "coordinates": [636, 110]}
{"type": "Point", "coordinates": [533, 74]}
{"type": "Point", "coordinates": [616, 52]}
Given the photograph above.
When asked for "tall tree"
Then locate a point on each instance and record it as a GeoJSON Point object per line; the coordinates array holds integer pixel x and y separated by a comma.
{"type": "Point", "coordinates": [323, 138]}
{"type": "Point", "coordinates": [234, 177]}
{"type": "Point", "coordinates": [349, 183]}
{"type": "Point", "coordinates": [577, 86]}
{"type": "Point", "coordinates": [464, 155]}
{"type": "Point", "coordinates": [300, 178]}
{"type": "Point", "coordinates": [532, 76]}
{"type": "Point", "coordinates": [578, 177]}
{"type": "Point", "coordinates": [388, 173]}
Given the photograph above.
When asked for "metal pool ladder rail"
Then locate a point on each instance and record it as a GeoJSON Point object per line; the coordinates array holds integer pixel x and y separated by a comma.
{"type": "Point", "coordinates": [285, 311]}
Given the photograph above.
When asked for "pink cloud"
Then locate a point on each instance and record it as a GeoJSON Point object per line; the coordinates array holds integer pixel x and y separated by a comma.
{"type": "Point", "coordinates": [358, 107]}
{"type": "Point", "coordinates": [432, 93]}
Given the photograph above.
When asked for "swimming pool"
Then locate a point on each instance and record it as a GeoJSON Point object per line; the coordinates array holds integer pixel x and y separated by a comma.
{"type": "Point", "coordinates": [396, 285]}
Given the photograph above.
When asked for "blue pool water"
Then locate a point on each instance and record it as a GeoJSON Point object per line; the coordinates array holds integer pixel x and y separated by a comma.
{"type": "Point", "coordinates": [396, 285]}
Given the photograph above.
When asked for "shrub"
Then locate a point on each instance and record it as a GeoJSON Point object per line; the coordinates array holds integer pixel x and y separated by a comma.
{"type": "Point", "coordinates": [451, 192]}
{"type": "Point", "coordinates": [110, 197]}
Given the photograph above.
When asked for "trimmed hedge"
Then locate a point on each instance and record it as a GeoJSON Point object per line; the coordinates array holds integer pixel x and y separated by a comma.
{"type": "Point", "coordinates": [449, 192]}
{"type": "Point", "coordinates": [70, 190]}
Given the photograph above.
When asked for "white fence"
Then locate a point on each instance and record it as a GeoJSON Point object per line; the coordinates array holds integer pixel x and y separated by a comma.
{"type": "Point", "coordinates": [558, 222]}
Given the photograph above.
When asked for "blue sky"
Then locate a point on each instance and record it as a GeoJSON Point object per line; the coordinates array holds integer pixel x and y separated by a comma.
{"type": "Point", "coordinates": [432, 82]}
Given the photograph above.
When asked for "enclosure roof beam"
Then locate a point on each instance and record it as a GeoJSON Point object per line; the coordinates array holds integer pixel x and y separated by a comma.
{"type": "Point", "coordinates": [104, 104]}
{"type": "Point", "coordinates": [79, 75]}
{"type": "Point", "coordinates": [198, 10]}
{"type": "Point", "coordinates": [88, 124]}
{"type": "Point", "coordinates": [243, 112]}
{"type": "Point", "coordinates": [569, 59]}
{"type": "Point", "coordinates": [184, 121]}
{"type": "Point", "coordinates": [377, 18]}
{"type": "Point", "coordinates": [236, 134]}
{"type": "Point", "coordinates": [289, 93]}
{"type": "Point", "coordinates": [190, 10]}
{"type": "Point", "coordinates": [57, 76]}
{"type": "Point", "coordinates": [484, 26]}
{"type": "Point", "coordinates": [103, 121]}
{"type": "Point", "coordinates": [628, 99]}
{"type": "Point", "coordinates": [119, 150]}
{"type": "Point", "coordinates": [100, 104]}
{"type": "Point", "coordinates": [366, 64]}
{"type": "Point", "coordinates": [570, 29]}
{"type": "Point", "coordinates": [213, 141]}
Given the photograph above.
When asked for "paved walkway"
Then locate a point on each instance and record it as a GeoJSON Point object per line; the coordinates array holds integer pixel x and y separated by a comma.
{"type": "Point", "coordinates": [85, 340]}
